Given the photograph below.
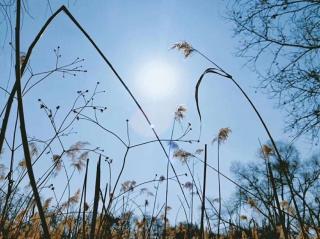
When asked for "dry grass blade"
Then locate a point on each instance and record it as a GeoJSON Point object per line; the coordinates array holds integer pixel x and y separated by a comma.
{"type": "Point", "coordinates": [202, 233]}
{"type": "Point", "coordinates": [84, 201]}
{"type": "Point", "coordinates": [24, 136]}
{"type": "Point", "coordinates": [23, 66]}
{"type": "Point", "coordinates": [226, 75]}
{"type": "Point", "coordinates": [209, 70]}
{"type": "Point", "coordinates": [96, 200]}
{"type": "Point", "coordinates": [82, 198]}
{"type": "Point", "coordinates": [197, 93]}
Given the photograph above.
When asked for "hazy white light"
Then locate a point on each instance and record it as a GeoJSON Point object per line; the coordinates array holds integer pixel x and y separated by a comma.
{"type": "Point", "coordinates": [159, 87]}
{"type": "Point", "coordinates": [157, 80]}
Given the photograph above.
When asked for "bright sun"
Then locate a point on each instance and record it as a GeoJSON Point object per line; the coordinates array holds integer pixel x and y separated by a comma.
{"type": "Point", "coordinates": [157, 80]}
{"type": "Point", "coordinates": [158, 84]}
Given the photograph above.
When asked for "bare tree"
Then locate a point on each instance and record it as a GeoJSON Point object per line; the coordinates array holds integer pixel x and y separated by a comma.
{"type": "Point", "coordinates": [282, 40]}
{"type": "Point", "coordinates": [303, 178]}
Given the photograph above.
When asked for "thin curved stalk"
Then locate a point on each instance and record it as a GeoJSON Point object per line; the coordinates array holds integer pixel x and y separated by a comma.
{"type": "Point", "coordinates": [153, 208]}
{"type": "Point", "coordinates": [185, 213]}
{"type": "Point", "coordinates": [218, 70]}
{"type": "Point", "coordinates": [118, 179]}
{"type": "Point", "coordinates": [228, 76]}
{"type": "Point", "coordinates": [23, 66]}
{"type": "Point", "coordinates": [128, 91]}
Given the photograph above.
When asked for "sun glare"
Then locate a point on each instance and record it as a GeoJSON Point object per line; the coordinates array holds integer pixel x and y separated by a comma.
{"type": "Point", "coordinates": [157, 80]}
{"type": "Point", "coordinates": [158, 85]}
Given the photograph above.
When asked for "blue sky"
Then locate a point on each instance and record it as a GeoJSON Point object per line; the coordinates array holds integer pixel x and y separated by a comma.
{"type": "Point", "coordinates": [136, 37]}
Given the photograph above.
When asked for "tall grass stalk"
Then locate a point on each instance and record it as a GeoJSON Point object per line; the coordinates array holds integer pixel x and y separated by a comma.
{"type": "Point", "coordinates": [219, 189]}
{"type": "Point", "coordinates": [10, 180]}
{"type": "Point", "coordinates": [203, 205]}
{"type": "Point", "coordinates": [82, 198]}
{"type": "Point", "coordinates": [167, 182]}
{"type": "Point", "coordinates": [96, 200]}
{"type": "Point", "coordinates": [24, 136]}
{"type": "Point", "coordinates": [226, 75]}
{"type": "Point", "coordinates": [187, 50]}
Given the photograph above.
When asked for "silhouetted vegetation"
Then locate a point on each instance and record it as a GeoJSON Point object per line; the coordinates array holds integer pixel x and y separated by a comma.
{"type": "Point", "coordinates": [277, 195]}
{"type": "Point", "coordinates": [285, 36]}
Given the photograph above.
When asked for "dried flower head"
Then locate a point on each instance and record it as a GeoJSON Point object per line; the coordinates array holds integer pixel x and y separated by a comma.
{"type": "Point", "coordinates": [266, 150]}
{"type": "Point", "coordinates": [280, 232]}
{"type": "Point", "coordinates": [140, 224]}
{"type": "Point", "coordinates": [79, 164]}
{"type": "Point", "coordinates": [57, 161]}
{"type": "Point", "coordinates": [128, 185]}
{"type": "Point", "coordinates": [199, 151]}
{"type": "Point", "coordinates": [284, 204]}
{"type": "Point", "coordinates": [162, 178]}
{"type": "Point", "coordinates": [78, 154]}
{"type": "Point", "coordinates": [47, 203]}
{"type": "Point", "coordinates": [252, 202]}
{"type": "Point", "coordinates": [255, 233]}
{"type": "Point", "coordinates": [2, 171]}
{"type": "Point", "coordinates": [33, 149]}
{"type": "Point", "coordinates": [182, 155]}
{"type": "Point", "coordinates": [291, 211]}
{"type": "Point", "coordinates": [243, 217]}
{"type": "Point", "coordinates": [74, 149]}
{"type": "Point", "coordinates": [75, 198]}
{"type": "Point", "coordinates": [23, 163]}
{"type": "Point", "coordinates": [244, 235]}
{"type": "Point", "coordinates": [188, 185]}
{"type": "Point", "coordinates": [22, 58]}
{"type": "Point", "coordinates": [180, 112]}
{"type": "Point", "coordinates": [72, 200]}
{"type": "Point", "coordinates": [222, 135]}
{"type": "Point", "coordinates": [185, 47]}
{"type": "Point", "coordinates": [86, 206]}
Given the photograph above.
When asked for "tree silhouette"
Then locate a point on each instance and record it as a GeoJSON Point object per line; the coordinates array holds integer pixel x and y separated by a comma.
{"type": "Point", "coordinates": [282, 41]}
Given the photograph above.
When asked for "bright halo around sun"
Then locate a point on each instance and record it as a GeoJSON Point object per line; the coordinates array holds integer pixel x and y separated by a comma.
{"type": "Point", "coordinates": [157, 80]}
{"type": "Point", "coordinates": [159, 87]}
